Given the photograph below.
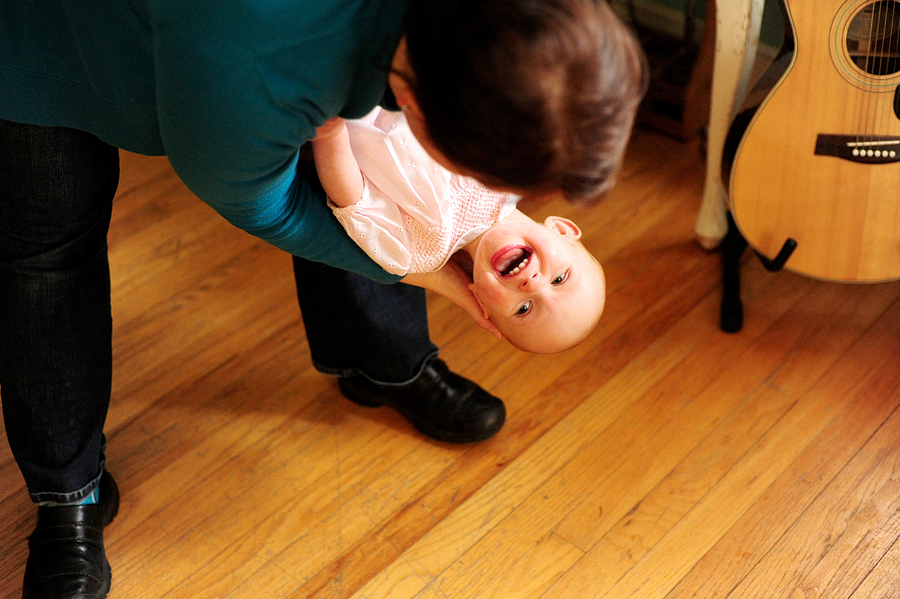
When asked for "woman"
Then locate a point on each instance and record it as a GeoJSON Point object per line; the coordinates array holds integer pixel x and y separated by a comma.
{"type": "Point", "coordinates": [230, 91]}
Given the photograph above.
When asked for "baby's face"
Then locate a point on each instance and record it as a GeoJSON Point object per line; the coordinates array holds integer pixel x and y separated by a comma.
{"type": "Point", "coordinates": [538, 284]}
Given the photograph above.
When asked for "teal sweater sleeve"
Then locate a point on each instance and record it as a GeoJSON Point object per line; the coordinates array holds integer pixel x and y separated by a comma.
{"type": "Point", "coordinates": [234, 111]}
{"type": "Point", "coordinates": [229, 90]}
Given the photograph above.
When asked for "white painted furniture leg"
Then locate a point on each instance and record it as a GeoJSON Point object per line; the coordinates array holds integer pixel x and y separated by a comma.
{"type": "Point", "coordinates": [737, 37]}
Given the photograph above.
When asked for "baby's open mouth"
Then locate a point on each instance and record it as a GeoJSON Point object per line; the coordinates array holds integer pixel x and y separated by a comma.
{"type": "Point", "coordinates": [509, 260]}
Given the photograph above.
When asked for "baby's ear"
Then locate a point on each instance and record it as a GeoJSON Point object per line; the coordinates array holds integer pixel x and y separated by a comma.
{"type": "Point", "coordinates": [493, 328]}
{"type": "Point", "coordinates": [484, 311]}
{"type": "Point", "coordinates": [563, 226]}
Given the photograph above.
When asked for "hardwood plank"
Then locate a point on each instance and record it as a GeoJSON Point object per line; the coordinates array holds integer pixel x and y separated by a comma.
{"type": "Point", "coordinates": [675, 554]}
{"type": "Point", "coordinates": [881, 583]}
{"type": "Point", "coordinates": [655, 512]}
{"type": "Point", "coordinates": [838, 539]}
{"type": "Point", "coordinates": [629, 479]}
{"type": "Point", "coordinates": [525, 575]}
{"type": "Point", "coordinates": [739, 551]}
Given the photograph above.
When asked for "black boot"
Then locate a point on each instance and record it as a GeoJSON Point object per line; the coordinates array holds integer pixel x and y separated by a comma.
{"type": "Point", "coordinates": [66, 558]}
{"type": "Point", "coordinates": [440, 404]}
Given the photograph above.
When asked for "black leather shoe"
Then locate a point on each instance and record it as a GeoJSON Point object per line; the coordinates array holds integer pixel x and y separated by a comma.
{"type": "Point", "coordinates": [440, 404]}
{"type": "Point", "coordinates": [66, 559]}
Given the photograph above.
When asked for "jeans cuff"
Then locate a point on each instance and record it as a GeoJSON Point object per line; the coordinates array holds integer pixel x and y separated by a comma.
{"type": "Point", "coordinates": [67, 498]}
{"type": "Point", "coordinates": [348, 372]}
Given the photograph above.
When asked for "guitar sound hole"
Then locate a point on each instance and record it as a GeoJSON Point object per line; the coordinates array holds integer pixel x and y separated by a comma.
{"type": "Point", "coordinates": [873, 38]}
{"type": "Point", "coordinates": [897, 102]}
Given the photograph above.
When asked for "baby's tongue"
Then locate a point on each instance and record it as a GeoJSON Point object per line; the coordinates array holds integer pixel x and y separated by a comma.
{"type": "Point", "coordinates": [508, 258]}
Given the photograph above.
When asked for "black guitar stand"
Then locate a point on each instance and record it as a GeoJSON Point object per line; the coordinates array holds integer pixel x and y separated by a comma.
{"type": "Point", "coordinates": [733, 246]}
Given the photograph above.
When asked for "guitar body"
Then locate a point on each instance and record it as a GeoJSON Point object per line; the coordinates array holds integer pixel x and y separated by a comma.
{"type": "Point", "coordinates": [820, 160]}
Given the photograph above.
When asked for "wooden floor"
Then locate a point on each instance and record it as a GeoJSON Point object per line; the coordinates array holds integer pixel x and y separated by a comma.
{"type": "Point", "coordinates": [663, 458]}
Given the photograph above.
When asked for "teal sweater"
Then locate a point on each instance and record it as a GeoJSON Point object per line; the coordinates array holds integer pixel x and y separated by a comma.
{"type": "Point", "coordinates": [229, 90]}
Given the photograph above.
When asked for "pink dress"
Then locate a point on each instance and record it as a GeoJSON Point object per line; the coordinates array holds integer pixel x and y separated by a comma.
{"type": "Point", "coordinates": [414, 214]}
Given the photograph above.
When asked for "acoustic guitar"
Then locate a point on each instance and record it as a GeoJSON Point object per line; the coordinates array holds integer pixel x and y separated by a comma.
{"type": "Point", "coordinates": [819, 161]}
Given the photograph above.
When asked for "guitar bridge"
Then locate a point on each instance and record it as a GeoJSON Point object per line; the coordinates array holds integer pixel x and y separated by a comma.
{"type": "Point", "coordinates": [869, 149]}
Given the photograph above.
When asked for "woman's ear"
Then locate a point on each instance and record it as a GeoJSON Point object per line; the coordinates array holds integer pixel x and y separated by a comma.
{"type": "Point", "coordinates": [399, 78]}
{"type": "Point", "coordinates": [403, 93]}
{"type": "Point", "coordinates": [563, 226]}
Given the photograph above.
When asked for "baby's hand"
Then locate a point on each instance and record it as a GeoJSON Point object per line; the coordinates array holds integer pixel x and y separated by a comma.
{"type": "Point", "coordinates": [453, 283]}
{"type": "Point", "coordinates": [331, 128]}
{"type": "Point", "coordinates": [337, 167]}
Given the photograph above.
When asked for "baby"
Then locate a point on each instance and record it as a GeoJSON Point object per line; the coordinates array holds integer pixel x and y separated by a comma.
{"type": "Point", "coordinates": [536, 283]}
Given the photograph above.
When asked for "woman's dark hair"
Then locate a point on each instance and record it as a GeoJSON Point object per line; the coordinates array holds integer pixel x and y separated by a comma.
{"type": "Point", "coordinates": [538, 95]}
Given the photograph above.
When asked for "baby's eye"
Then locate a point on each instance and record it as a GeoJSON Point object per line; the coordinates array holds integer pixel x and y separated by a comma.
{"type": "Point", "coordinates": [524, 309]}
{"type": "Point", "coordinates": [560, 279]}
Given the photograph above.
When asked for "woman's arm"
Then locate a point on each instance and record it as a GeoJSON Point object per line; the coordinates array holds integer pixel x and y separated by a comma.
{"type": "Point", "coordinates": [337, 167]}
{"type": "Point", "coordinates": [232, 127]}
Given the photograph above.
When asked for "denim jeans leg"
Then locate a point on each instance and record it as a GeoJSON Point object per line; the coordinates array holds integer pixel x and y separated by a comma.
{"type": "Point", "coordinates": [56, 191]}
{"type": "Point", "coordinates": [357, 326]}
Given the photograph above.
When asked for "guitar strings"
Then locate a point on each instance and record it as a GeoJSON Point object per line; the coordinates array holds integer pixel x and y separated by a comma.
{"type": "Point", "coordinates": [874, 64]}
{"type": "Point", "coordinates": [861, 111]}
{"type": "Point", "coordinates": [881, 33]}
{"type": "Point", "coordinates": [858, 106]}
{"type": "Point", "coordinates": [886, 63]}
{"type": "Point", "coordinates": [883, 64]}
{"type": "Point", "coordinates": [886, 48]}
{"type": "Point", "coordinates": [870, 44]}
{"type": "Point", "coordinates": [873, 69]}
{"type": "Point", "coordinates": [860, 114]}
{"type": "Point", "coordinates": [886, 103]}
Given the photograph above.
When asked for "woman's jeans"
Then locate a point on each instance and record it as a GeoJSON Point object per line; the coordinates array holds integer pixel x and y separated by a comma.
{"type": "Point", "coordinates": [56, 192]}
